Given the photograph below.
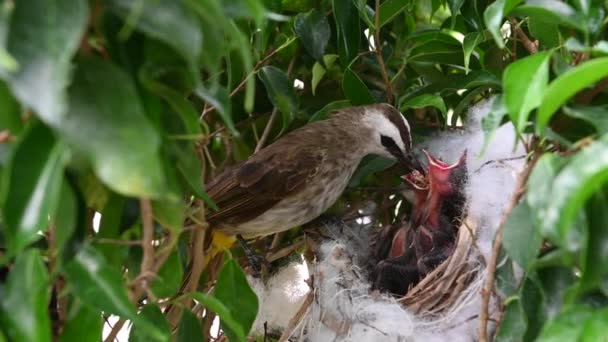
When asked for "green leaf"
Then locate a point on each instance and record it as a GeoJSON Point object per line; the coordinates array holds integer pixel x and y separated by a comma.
{"type": "Point", "coordinates": [547, 34]}
{"type": "Point", "coordinates": [581, 177]}
{"type": "Point", "coordinates": [25, 299]}
{"type": "Point", "coordinates": [318, 70]}
{"type": "Point", "coordinates": [595, 326]}
{"type": "Point", "coordinates": [152, 314]}
{"type": "Point", "coordinates": [349, 33]}
{"type": "Point", "coordinates": [540, 185]}
{"type": "Point", "coordinates": [280, 93]}
{"type": "Point", "coordinates": [168, 21]}
{"type": "Point", "coordinates": [313, 29]}
{"type": "Point", "coordinates": [189, 328]}
{"type": "Point", "coordinates": [11, 111]}
{"type": "Point", "coordinates": [567, 85]}
{"type": "Point", "coordinates": [83, 324]}
{"type": "Point", "coordinates": [454, 6]}
{"type": "Point", "coordinates": [220, 100]}
{"type": "Point", "coordinates": [101, 287]}
{"type": "Point", "coordinates": [567, 326]}
{"type": "Point", "coordinates": [521, 239]}
{"type": "Point", "coordinates": [514, 323]}
{"type": "Point", "coordinates": [491, 122]}
{"type": "Point", "coordinates": [524, 84]}
{"type": "Point", "coordinates": [109, 228]}
{"type": "Point", "coordinates": [389, 9]}
{"type": "Point", "coordinates": [234, 292]}
{"type": "Point", "coordinates": [551, 12]}
{"type": "Point", "coordinates": [368, 166]}
{"type": "Point", "coordinates": [44, 52]}
{"type": "Point", "coordinates": [423, 101]}
{"type": "Point", "coordinates": [31, 186]}
{"type": "Point", "coordinates": [230, 325]}
{"type": "Point", "coordinates": [595, 115]}
{"type": "Point", "coordinates": [493, 18]}
{"type": "Point", "coordinates": [469, 43]}
{"type": "Point", "coordinates": [168, 280]}
{"type": "Point", "coordinates": [355, 90]}
{"type": "Point", "coordinates": [322, 113]}
{"type": "Point", "coordinates": [595, 256]}
{"type": "Point", "coordinates": [65, 217]}
{"type": "Point", "coordinates": [107, 123]}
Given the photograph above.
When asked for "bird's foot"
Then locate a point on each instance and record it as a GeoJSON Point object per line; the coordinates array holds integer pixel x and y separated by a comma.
{"type": "Point", "coordinates": [255, 260]}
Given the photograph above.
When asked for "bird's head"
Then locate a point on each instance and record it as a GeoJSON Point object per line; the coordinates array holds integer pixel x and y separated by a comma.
{"type": "Point", "coordinates": [391, 136]}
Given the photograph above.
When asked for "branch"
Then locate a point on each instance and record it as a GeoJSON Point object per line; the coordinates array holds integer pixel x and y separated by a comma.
{"type": "Point", "coordinates": [147, 261]}
{"type": "Point", "coordinates": [387, 82]}
{"type": "Point", "coordinates": [489, 281]}
{"type": "Point", "coordinates": [115, 330]}
{"type": "Point", "coordinates": [531, 46]}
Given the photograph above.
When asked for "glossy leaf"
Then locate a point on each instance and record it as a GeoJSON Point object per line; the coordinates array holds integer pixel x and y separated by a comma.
{"type": "Point", "coordinates": [493, 18]}
{"type": "Point", "coordinates": [567, 85]}
{"type": "Point", "coordinates": [33, 182]}
{"type": "Point", "coordinates": [322, 113]}
{"type": "Point", "coordinates": [468, 45]}
{"type": "Point", "coordinates": [524, 84]}
{"type": "Point", "coordinates": [313, 29]}
{"type": "Point", "coordinates": [66, 216]}
{"type": "Point", "coordinates": [234, 292]}
{"type": "Point", "coordinates": [584, 174]}
{"type": "Point", "coordinates": [152, 314]}
{"type": "Point", "coordinates": [540, 185]}
{"type": "Point", "coordinates": [546, 33]}
{"type": "Point", "coordinates": [230, 325]}
{"type": "Point", "coordinates": [368, 166]}
{"type": "Point", "coordinates": [552, 12]}
{"type": "Point", "coordinates": [43, 52]}
{"type": "Point", "coordinates": [389, 9]}
{"type": "Point", "coordinates": [423, 101]}
{"type": "Point", "coordinates": [347, 24]}
{"type": "Point", "coordinates": [595, 326]}
{"type": "Point", "coordinates": [514, 323]}
{"type": "Point", "coordinates": [491, 122]}
{"type": "Point", "coordinates": [318, 70]}
{"type": "Point", "coordinates": [168, 279]}
{"type": "Point", "coordinates": [280, 92]}
{"type": "Point", "coordinates": [168, 21]}
{"type": "Point", "coordinates": [11, 110]}
{"type": "Point", "coordinates": [101, 287]}
{"type": "Point", "coordinates": [521, 239]}
{"type": "Point", "coordinates": [567, 326]}
{"type": "Point", "coordinates": [595, 115]}
{"type": "Point", "coordinates": [596, 256]}
{"type": "Point", "coordinates": [189, 328]}
{"type": "Point", "coordinates": [83, 324]}
{"type": "Point", "coordinates": [25, 299]}
{"type": "Point", "coordinates": [454, 6]}
{"type": "Point", "coordinates": [106, 122]}
{"type": "Point", "coordinates": [355, 90]}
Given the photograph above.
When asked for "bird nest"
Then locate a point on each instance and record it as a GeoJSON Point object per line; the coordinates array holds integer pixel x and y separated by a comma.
{"type": "Point", "coordinates": [441, 289]}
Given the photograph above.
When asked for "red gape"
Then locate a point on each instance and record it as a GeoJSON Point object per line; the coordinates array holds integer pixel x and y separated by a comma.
{"type": "Point", "coordinates": [418, 246]}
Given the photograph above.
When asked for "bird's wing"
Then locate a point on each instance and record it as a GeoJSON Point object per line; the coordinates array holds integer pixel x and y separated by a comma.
{"type": "Point", "coordinates": [259, 183]}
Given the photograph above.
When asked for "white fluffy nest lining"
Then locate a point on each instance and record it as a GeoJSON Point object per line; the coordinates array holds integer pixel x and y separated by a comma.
{"type": "Point", "coordinates": [443, 306]}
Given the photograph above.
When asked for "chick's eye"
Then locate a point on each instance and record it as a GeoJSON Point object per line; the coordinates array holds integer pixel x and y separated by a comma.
{"type": "Point", "coordinates": [387, 141]}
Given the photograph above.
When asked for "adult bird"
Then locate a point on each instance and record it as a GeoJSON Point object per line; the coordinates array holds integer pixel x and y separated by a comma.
{"type": "Point", "coordinates": [298, 177]}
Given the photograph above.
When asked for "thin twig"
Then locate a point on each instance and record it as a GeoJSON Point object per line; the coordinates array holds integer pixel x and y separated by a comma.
{"type": "Point", "coordinates": [531, 46]}
{"type": "Point", "coordinates": [387, 82]}
{"type": "Point", "coordinates": [147, 260]}
{"type": "Point", "coordinates": [487, 290]}
{"type": "Point", "coordinates": [117, 242]}
{"type": "Point", "coordinates": [115, 330]}
{"type": "Point", "coordinates": [296, 320]}
{"type": "Point", "coordinates": [240, 86]}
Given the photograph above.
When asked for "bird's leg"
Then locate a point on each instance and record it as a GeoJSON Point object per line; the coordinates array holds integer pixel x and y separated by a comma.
{"type": "Point", "coordinates": [255, 260]}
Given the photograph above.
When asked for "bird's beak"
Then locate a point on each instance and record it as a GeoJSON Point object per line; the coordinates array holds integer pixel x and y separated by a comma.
{"type": "Point", "coordinates": [409, 162]}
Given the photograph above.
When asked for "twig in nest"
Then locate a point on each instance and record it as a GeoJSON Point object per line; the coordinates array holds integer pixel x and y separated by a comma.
{"type": "Point", "coordinates": [487, 290]}
{"type": "Point", "coordinates": [498, 161]}
{"type": "Point", "coordinates": [378, 46]}
{"type": "Point", "coordinates": [296, 320]}
{"type": "Point", "coordinates": [270, 257]}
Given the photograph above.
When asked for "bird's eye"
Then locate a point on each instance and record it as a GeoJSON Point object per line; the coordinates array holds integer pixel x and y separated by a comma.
{"type": "Point", "coordinates": [387, 142]}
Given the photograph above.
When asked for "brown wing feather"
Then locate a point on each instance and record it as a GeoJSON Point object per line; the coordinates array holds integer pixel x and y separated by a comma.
{"type": "Point", "coordinates": [256, 185]}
